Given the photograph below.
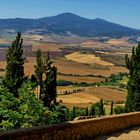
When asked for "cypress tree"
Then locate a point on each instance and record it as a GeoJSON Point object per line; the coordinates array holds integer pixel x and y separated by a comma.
{"type": "Point", "coordinates": [74, 112]}
{"type": "Point", "coordinates": [87, 113]}
{"type": "Point", "coordinates": [133, 85]}
{"type": "Point", "coordinates": [50, 82]}
{"type": "Point", "coordinates": [101, 107]}
{"type": "Point", "coordinates": [14, 76]}
{"type": "Point", "coordinates": [48, 90]}
{"type": "Point", "coordinates": [39, 69]}
{"type": "Point", "coordinates": [92, 110]}
{"type": "Point", "coordinates": [111, 109]}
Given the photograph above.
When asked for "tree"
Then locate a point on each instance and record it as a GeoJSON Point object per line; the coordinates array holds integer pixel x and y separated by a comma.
{"type": "Point", "coordinates": [8, 110]}
{"type": "Point", "coordinates": [92, 112]}
{"type": "Point", "coordinates": [101, 107]}
{"type": "Point", "coordinates": [111, 109]}
{"type": "Point", "coordinates": [133, 85]}
{"type": "Point", "coordinates": [39, 69]}
{"type": "Point", "coordinates": [73, 112]}
{"type": "Point", "coordinates": [24, 111]}
{"type": "Point", "coordinates": [14, 70]}
{"type": "Point", "coordinates": [31, 109]}
{"type": "Point", "coordinates": [48, 87]}
{"type": "Point", "coordinates": [50, 82]}
{"type": "Point", "coordinates": [59, 113]}
{"type": "Point", "coordinates": [87, 112]}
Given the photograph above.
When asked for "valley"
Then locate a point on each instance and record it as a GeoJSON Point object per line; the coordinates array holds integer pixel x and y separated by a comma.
{"type": "Point", "coordinates": [82, 63]}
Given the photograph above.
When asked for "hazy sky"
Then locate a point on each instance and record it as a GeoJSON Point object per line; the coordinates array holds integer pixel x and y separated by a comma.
{"type": "Point", "coordinates": [125, 12]}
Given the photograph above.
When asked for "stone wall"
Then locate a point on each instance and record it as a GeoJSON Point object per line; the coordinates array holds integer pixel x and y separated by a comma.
{"type": "Point", "coordinates": [75, 130]}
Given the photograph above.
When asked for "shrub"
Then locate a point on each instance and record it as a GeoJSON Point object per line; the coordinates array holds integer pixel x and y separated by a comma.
{"type": "Point", "coordinates": [119, 110]}
{"type": "Point", "coordinates": [122, 86]}
{"type": "Point", "coordinates": [64, 83]}
{"type": "Point", "coordinates": [24, 111]}
{"type": "Point", "coordinates": [59, 113]}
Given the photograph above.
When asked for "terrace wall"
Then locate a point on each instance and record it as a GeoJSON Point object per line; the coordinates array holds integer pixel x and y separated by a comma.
{"type": "Point", "coordinates": [75, 130]}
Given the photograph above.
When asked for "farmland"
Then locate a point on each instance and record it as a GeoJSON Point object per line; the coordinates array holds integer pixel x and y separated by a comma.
{"type": "Point", "coordinates": [78, 60]}
{"type": "Point", "coordinates": [91, 96]}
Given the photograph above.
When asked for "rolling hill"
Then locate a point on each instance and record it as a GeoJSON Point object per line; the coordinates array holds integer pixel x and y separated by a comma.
{"type": "Point", "coordinates": [66, 24]}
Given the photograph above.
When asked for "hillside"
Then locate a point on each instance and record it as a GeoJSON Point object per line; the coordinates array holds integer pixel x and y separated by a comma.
{"type": "Point", "coordinates": [66, 24]}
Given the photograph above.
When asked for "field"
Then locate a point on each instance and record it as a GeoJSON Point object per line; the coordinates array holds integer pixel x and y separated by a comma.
{"type": "Point", "coordinates": [70, 67]}
{"type": "Point", "coordinates": [78, 60]}
{"type": "Point", "coordinates": [52, 47]}
{"type": "Point", "coordinates": [92, 95]}
{"type": "Point", "coordinates": [79, 79]}
{"type": "Point", "coordinates": [87, 59]}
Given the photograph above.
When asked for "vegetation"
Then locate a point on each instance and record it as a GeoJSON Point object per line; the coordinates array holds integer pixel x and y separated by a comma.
{"type": "Point", "coordinates": [133, 86]}
{"type": "Point", "coordinates": [48, 86]}
{"type": "Point", "coordinates": [24, 111]}
{"type": "Point", "coordinates": [14, 70]}
{"type": "Point", "coordinates": [19, 106]}
{"type": "Point", "coordinates": [59, 113]}
{"type": "Point", "coordinates": [111, 109]}
{"type": "Point", "coordinates": [119, 110]}
{"type": "Point", "coordinates": [50, 82]}
{"type": "Point", "coordinates": [39, 71]}
{"type": "Point", "coordinates": [64, 83]}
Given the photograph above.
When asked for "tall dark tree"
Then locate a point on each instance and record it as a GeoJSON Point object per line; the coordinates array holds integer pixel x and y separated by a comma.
{"type": "Point", "coordinates": [111, 109]}
{"type": "Point", "coordinates": [133, 85]}
{"type": "Point", "coordinates": [39, 69]}
{"type": "Point", "coordinates": [101, 107]}
{"type": "Point", "coordinates": [50, 82]}
{"type": "Point", "coordinates": [14, 70]}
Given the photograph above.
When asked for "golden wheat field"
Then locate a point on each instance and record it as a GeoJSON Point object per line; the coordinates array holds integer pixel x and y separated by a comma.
{"type": "Point", "coordinates": [87, 59]}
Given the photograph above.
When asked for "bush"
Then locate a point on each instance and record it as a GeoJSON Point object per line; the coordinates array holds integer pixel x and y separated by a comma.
{"type": "Point", "coordinates": [98, 108]}
{"type": "Point", "coordinates": [59, 113]}
{"type": "Point", "coordinates": [119, 110]}
{"type": "Point", "coordinates": [24, 111]}
{"type": "Point", "coordinates": [64, 83]}
{"type": "Point", "coordinates": [122, 86]}
{"type": "Point", "coordinates": [83, 84]}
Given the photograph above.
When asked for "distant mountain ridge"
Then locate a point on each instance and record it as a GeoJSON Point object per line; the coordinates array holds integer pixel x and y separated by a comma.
{"type": "Point", "coordinates": [66, 24]}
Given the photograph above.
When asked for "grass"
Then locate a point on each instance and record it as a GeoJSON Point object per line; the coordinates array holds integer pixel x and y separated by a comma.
{"type": "Point", "coordinates": [124, 80]}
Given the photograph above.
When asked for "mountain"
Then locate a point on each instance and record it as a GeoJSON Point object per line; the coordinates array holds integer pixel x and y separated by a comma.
{"type": "Point", "coordinates": [66, 24]}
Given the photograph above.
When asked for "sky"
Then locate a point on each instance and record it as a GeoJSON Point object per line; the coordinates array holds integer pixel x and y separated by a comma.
{"type": "Point", "coordinates": [124, 12]}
